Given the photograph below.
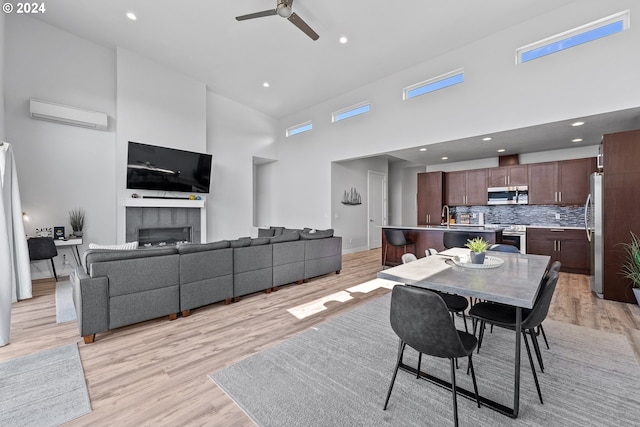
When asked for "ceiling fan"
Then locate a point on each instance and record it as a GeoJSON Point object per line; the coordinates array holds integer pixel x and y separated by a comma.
{"type": "Point", "coordinates": [283, 9]}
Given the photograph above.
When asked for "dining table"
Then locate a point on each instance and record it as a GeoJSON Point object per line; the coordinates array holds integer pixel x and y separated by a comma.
{"type": "Point", "coordinates": [507, 278]}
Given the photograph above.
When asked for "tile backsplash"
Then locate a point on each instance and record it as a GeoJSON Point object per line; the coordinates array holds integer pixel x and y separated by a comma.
{"type": "Point", "coordinates": [540, 215]}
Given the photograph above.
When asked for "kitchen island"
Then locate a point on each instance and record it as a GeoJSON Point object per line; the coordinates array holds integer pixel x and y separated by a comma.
{"type": "Point", "coordinates": [430, 236]}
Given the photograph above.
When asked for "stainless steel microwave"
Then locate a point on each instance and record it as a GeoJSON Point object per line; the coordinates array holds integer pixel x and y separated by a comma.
{"type": "Point", "coordinates": [516, 195]}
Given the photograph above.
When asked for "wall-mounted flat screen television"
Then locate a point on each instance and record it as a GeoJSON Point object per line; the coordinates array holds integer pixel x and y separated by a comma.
{"type": "Point", "coordinates": [150, 167]}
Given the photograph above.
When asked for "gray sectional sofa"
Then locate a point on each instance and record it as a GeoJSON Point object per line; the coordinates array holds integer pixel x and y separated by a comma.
{"type": "Point", "coordinates": [115, 288]}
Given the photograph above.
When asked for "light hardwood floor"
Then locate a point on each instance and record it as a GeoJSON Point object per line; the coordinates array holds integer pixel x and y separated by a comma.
{"type": "Point", "coordinates": [156, 372]}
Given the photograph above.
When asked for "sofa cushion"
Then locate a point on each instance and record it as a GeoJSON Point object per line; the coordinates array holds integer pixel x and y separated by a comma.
{"type": "Point", "coordinates": [266, 232]}
{"type": "Point", "coordinates": [318, 234]}
{"type": "Point", "coordinates": [260, 241]}
{"type": "Point", "coordinates": [190, 248]}
{"type": "Point", "coordinates": [240, 243]}
{"type": "Point", "coordinates": [277, 231]}
{"type": "Point", "coordinates": [287, 237]}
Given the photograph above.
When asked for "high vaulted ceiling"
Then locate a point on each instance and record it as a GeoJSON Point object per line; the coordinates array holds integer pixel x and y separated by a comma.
{"type": "Point", "coordinates": [202, 39]}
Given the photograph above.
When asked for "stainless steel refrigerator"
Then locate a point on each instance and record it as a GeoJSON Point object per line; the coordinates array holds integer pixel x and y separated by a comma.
{"type": "Point", "coordinates": [593, 216]}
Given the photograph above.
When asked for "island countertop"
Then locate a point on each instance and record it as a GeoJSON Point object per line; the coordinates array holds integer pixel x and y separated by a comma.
{"type": "Point", "coordinates": [430, 236]}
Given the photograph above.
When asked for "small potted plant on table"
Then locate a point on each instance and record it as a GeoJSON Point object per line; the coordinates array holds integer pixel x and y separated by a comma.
{"type": "Point", "coordinates": [478, 247]}
{"type": "Point", "coordinates": [76, 219]}
{"type": "Point", "coordinates": [631, 266]}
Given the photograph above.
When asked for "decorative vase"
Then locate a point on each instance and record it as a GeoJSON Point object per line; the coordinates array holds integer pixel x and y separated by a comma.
{"type": "Point", "coordinates": [636, 291]}
{"type": "Point", "coordinates": [77, 233]}
{"type": "Point", "coordinates": [477, 257]}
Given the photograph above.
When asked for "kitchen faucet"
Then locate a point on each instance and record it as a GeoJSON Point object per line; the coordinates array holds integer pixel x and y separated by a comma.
{"type": "Point", "coordinates": [446, 208]}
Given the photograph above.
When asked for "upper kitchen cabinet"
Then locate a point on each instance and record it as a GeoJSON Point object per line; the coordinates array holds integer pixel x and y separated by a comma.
{"type": "Point", "coordinates": [560, 183]}
{"type": "Point", "coordinates": [504, 176]}
{"type": "Point", "coordinates": [466, 187]}
{"type": "Point", "coordinates": [430, 198]}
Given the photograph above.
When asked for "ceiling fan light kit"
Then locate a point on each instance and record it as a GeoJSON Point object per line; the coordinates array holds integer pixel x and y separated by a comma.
{"type": "Point", "coordinates": [283, 9]}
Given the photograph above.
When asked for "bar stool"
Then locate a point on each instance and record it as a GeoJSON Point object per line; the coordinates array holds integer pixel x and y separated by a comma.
{"type": "Point", "coordinates": [395, 238]}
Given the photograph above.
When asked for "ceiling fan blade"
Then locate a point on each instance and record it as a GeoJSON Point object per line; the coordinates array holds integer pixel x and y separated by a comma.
{"type": "Point", "coordinates": [298, 22]}
{"type": "Point", "coordinates": [257, 15]}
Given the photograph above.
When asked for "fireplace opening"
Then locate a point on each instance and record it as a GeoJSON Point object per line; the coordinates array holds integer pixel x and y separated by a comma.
{"type": "Point", "coordinates": [161, 236]}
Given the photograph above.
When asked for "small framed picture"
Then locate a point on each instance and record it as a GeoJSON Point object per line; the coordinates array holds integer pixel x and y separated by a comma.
{"type": "Point", "coordinates": [58, 233]}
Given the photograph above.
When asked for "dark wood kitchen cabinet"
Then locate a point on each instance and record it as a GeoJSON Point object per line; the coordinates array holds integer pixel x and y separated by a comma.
{"type": "Point", "coordinates": [569, 246]}
{"type": "Point", "coordinates": [621, 192]}
{"type": "Point", "coordinates": [504, 176]}
{"type": "Point", "coordinates": [560, 183]}
{"type": "Point", "coordinates": [430, 198]}
{"type": "Point", "coordinates": [466, 188]}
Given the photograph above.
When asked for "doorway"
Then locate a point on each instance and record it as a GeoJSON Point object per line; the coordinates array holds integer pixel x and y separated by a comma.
{"type": "Point", "coordinates": [377, 207]}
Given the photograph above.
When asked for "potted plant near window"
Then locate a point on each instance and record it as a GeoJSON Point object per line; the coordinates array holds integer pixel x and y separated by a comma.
{"type": "Point", "coordinates": [478, 247]}
{"type": "Point", "coordinates": [631, 266]}
{"type": "Point", "coordinates": [76, 219]}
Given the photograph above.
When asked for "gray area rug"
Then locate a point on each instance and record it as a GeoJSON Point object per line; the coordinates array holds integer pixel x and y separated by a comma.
{"type": "Point", "coordinates": [43, 389]}
{"type": "Point", "coordinates": [65, 310]}
{"type": "Point", "coordinates": [338, 373]}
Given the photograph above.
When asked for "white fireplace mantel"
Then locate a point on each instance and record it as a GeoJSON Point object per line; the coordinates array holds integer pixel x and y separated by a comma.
{"type": "Point", "coordinates": [144, 202]}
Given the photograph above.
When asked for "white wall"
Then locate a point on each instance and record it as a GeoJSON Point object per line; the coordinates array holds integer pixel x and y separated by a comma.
{"type": "Point", "coordinates": [235, 134]}
{"type": "Point", "coordinates": [351, 221]}
{"type": "Point", "coordinates": [2, 43]}
{"type": "Point", "coordinates": [157, 106]}
{"type": "Point", "coordinates": [60, 167]}
{"type": "Point", "coordinates": [497, 95]}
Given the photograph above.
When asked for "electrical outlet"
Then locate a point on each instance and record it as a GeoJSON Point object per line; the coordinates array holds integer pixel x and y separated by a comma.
{"type": "Point", "coordinates": [557, 216]}
{"type": "Point", "coordinates": [473, 215]}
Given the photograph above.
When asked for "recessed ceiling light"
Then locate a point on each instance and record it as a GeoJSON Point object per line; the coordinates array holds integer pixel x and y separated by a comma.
{"type": "Point", "coordinates": [132, 16]}
{"type": "Point", "coordinates": [501, 150]}
{"type": "Point", "coordinates": [266, 84]}
{"type": "Point", "coordinates": [423, 149]}
{"type": "Point", "coordinates": [343, 40]}
{"type": "Point", "coordinates": [577, 140]}
{"type": "Point", "coordinates": [577, 124]}
{"type": "Point", "coordinates": [486, 138]}
{"type": "Point", "coordinates": [445, 158]}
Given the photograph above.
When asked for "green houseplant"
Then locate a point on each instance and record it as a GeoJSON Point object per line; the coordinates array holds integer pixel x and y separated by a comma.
{"type": "Point", "coordinates": [478, 247]}
{"type": "Point", "coordinates": [76, 219]}
{"type": "Point", "coordinates": [631, 266]}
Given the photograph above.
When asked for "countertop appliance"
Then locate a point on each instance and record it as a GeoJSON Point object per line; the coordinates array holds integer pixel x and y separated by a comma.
{"type": "Point", "coordinates": [593, 221]}
{"type": "Point", "coordinates": [515, 195]}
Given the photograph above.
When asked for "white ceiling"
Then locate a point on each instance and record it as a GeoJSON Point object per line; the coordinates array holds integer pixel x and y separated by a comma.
{"type": "Point", "coordinates": [202, 39]}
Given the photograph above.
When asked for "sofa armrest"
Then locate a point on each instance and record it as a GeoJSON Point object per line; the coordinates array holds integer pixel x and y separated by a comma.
{"type": "Point", "coordinates": [91, 301]}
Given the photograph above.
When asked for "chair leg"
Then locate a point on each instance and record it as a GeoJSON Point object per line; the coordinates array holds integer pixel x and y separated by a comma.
{"type": "Point", "coordinates": [533, 368]}
{"type": "Point", "coordinates": [536, 348]}
{"type": "Point", "coordinates": [464, 318]}
{"type": "Point", "coordinates": [541, 330]}
{"type": "Point", "coordinates": [54, 269]}
{"type": "Point", "coordinates": [480, 334]}
{"type": "Point", "coordinates": [384, 257]}
{"type": "Point", "coordinates": [395, 372]}
{"type": "Point", "coordinates": [473, 377]}
{"type": "Point", "coordinates": [454, 392]}
{"type": "Point", "coordinates": [419, 363]}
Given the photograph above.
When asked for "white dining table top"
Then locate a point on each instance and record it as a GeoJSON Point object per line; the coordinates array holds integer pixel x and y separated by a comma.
{"type": "Point", "coordinates": [516, 282]}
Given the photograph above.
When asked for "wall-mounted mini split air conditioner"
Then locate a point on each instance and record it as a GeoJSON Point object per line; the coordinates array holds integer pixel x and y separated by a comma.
{"type": "Point", "coordinates": [52, 112]}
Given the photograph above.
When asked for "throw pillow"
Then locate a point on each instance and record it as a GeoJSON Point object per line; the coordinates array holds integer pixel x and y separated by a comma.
{"type": "Point", "coordinates": [124, 246]}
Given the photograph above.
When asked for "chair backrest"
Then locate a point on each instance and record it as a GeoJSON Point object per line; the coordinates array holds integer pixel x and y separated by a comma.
{"type": "Point", "coordinates": [504, 248]}
{"type": "Point", "coordinates": [541, 306]}
{"type": "Point", "coordinates": [430, 251]}
{"type": "Point", "coordinates": [408, 258]}
{"type": "Point", "coordinates": [421, 319]}
{"type": "Point", "coordinates": [454, 239]}
{"type": "Point", "coordinates": [41, 248]}
{"type": "Point", "coordinates": [556, 266]}
{"type": "Point", "coordinates": [395, 237]}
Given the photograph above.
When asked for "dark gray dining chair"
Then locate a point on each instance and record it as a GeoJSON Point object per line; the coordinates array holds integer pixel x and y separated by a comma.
{"type": "Point", "coordinates": [556, 266]}
{"type": "Point", "coordinates": [395, 238]}
{"type": "Point", "coordinates": [421, 320]}
{"type": "Point", "coordinates": [43, 248]}
{"type": "Point", "coordinates": [454, 239]}
{"type": "Point", "coordinates": [498, 247]}
{"type": "Point", "coordinates": [505, 316]}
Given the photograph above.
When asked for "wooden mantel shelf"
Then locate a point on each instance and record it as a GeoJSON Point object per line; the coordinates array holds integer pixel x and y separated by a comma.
{"type": "Point", "coordinates": [163, 203]}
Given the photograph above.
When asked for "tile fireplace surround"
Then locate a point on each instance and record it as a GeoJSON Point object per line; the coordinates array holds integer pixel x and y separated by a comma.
{"type": "Point", "coordinates": [159, 213]}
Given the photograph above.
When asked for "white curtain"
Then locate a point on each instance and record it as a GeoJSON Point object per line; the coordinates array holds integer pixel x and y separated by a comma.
{"type": "Point", "coordinates": [15, 270]}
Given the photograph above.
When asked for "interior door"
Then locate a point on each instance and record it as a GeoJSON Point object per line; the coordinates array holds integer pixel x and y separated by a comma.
{"type": "Point", "coordinates": [377, 201]}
